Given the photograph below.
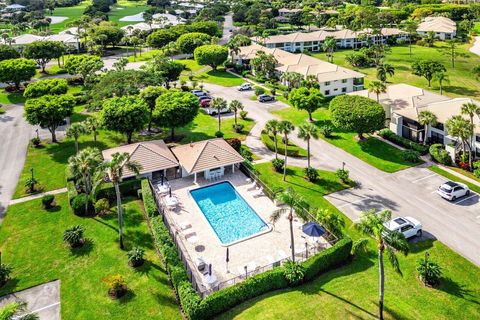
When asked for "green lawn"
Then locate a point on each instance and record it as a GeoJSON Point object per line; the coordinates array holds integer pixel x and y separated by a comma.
{"type": "Point", "coordinates": [351, 292]}
{"type": "Point", "coordinates": [371, 150]}
{"type": "Point", "coordinates": [11, 97]}
{"type": "Point", "coordinates": [72, 13]}
{"type": "Point", "coordinates": [453, 177]}
{"type": "Point", "coordinates": [126, 8]}
{"type": "Point", "coordinates": [219, 77]}
{"type": "Point", "coordinates": [462, 80]}
{"type": "Point", "coordinates": [31, 241]}
{"type": "Point", "coordinates": [191, 66]}
{"type": "Point", "coordinates": [49, 162]}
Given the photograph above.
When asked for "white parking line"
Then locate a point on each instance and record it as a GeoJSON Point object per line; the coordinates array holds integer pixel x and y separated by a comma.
{"type": "Point", "coordinates": [466, 198]}
{"type": "Point", "coordinates": [46, 307]}
{"type": "Point", "coordinates": [420, 179]}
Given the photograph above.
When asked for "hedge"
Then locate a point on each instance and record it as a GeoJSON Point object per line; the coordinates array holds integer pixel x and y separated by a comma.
{"type": "Point", "coordinates": [148, 201]}
{"type": "Point", "coordinates": [196, 308]}
{"type": "Point", "coordinates": [292, 150]}
{"type": "Point", "coordinates": [71, 191]}
{"type": "Point", "coordinates": [389, 135]}
{"type": "Point", "coordinates": [440, 155]}
{"type": "Point", "coordinates": [127, 188]}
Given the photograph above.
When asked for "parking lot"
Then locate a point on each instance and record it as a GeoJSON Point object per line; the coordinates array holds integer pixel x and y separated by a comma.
{"type": "Point", "coordinates": [456, 223]}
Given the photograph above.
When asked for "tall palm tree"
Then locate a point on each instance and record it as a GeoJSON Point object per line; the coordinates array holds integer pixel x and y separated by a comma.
{"type": "Point", "coordinates": [306, 132]}
{"type": "Point", "coordinates": [234, 47]}
{"type": "Point", "coordinates": [441, 77]}
{"type": "Point", "coordinates": [285, 128]}
{"type": "Point", "coordinates": [219, 104]}
{"type": "Point", "coordinates": [234, 107]}
{"type": "Point", "coordinates": [372, 224]}
{"type": "Point", "coordinates": [384, 70]}
{"type": "Point", "coordinates": [293, 202]}
{"type": "Point", "coordinates": [427, 118]}
{"type": "Point", "coordinates": [377, 87]}
{"type": "Point", "coordinates": [471, 109]}
{"type": "Point", "coordinates": [272, 128]}
{"type": "Point", "coordinates": [461, 128]}
{"type": "Point", "coordinates": [329, 45]}
{"type": "Point", "coordinates": [114, 168]}
{"type": "Point", "coordinates": [292, 79]}
{"type": "Point", "coordinates": [331, 220]}
{"type": "Point", "coordinates": [410, 26]}
{"type": "Point", "coordinates": [92, 124]}
{"type": "Point", "coordinates": [75, 131]}
{"type": "Point", "coordinates": [86, 167]}
{"type": "Point", "coordinates": [311, 81]}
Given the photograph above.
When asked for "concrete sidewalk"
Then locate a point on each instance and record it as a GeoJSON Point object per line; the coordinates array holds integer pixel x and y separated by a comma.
{"type": "Point", "coordinates": [36, 196]}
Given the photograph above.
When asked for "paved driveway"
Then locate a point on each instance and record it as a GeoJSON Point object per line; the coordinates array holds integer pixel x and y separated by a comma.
{"type": "Point", "coordinates": [409, 192]}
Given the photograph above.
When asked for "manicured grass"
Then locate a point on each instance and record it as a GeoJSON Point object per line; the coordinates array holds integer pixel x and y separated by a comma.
{"type": "Point", "coordinates": [49, 162]}
{"type": "Point", "coordinates": [143, 56]}
{"type": "Point", "coordinates": [191, 66]}
{"type": "Point", "coordinates": [11, 97]}
{"type": "Point", "coordinates": [462, 80]}
{"type": "Point", "coordinates": [373, 151]}
{"type": "Point", "coordinates": [219, 77]}
{"type": "Point", "coordinates": [292, 149]}
{"type": "Point", "coordinates": [72, 13]}
{"type": "Point", "coordinates": [351, 292]}
{"type": "Point", "coordinates": [453, 177]}
{"type": "Point", "coordinates": [31, 241]}
{"type": "Point", "coordinates": [125, 8]}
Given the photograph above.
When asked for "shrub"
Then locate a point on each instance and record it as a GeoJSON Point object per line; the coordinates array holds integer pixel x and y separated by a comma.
{"type": "Point", "coordinates": [5, 271]}
{"type": "Point", "coordinates": [238, 127]}
{"type": "Point", "coordinates": [234, 143]}
{"type": "Point", "coordinates": [127, 188]}
{"type": "Point", "coordinates": [326, 131]}
{"type": "Point", "coordinates": [429, 271]}
{"type": "Point", "coordinates": [31, 184]}
{"type": "Point", "coordinates": [411, 156]}
{"type": "Point", "coordinates": [278, 165]}
{"type": "Point", "coordinates": [343, 175]}
{"type": "Point", "coordinates": [259, 90]}
{"type": "Point", "coordinates": [440, 155]}
{"type": "Point", "coordinates": [48, 201]}
{"type": "Point", "coordinates": [476, 167]}
{"type": "Point", "coordinates": [71, 191]}
{"type": "Point", "coordinates": [148, 201]}
{"type": "Point", "coordinates": [243, 114]}
{"type": "Point", "coordinates": [117, 286]}
{"type": "Point", "coordinates": [421, 43]}
{"type": "Point", "coordinates": [311, 174]}
{"type": "Point", "coordinates": [74, 236]}
{"type": "Point", "coordinates": [35, 142]}
{"type": "Point", "coordinates": [78, 204]}
{"type": "Point", "coordinates": [246, 153]}
{"type": "Point", "coordinates": [102, 206]}
{"type": "Point", "coordinates": [293, 272]}
{"type": "Point", "coordinates": [219, 134]}
{"type": "Point", "coordinates": [327, 259]}
{"type": "Point", "coordinates": [389, 135]}
{"type": "Point", "coordinates": [136, 257]}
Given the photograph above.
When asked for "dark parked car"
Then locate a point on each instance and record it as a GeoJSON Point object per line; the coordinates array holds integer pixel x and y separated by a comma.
{"type": "Point", "coordinates": [265, 98]}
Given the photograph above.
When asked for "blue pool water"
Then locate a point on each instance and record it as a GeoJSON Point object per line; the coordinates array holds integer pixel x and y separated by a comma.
{"type": "Point", "coordinates": [230, 216]}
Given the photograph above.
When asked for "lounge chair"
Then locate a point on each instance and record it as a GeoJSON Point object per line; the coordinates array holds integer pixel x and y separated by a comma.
{"type": "Point", "coordinates": [192, 237]}
{"type": "Point", "coordinates": [184, 225]}
{"type": "Point", "coordinates": [258, 193]}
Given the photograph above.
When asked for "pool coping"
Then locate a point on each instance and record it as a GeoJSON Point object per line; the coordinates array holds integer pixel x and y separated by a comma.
{"type": "Point", "coordinates": [269, 227]}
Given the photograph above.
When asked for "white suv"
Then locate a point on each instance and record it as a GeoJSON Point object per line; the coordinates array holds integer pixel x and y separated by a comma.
{"type": "Point", "coordinates": [408, 226]}
{"type": "Point", "coordinates": [453, 190]}
{"type": "Point", "coordinates": [245, 87]}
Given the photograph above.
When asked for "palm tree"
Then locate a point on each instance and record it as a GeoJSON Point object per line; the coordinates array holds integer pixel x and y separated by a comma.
{"type": "Point", "coordinates": [384, 70]}
{"type": "Point", "coordinates": [292, 79]}
{"type": "Point", "coordinates": [234, 107]}
{"type": "Point", "coordinates": [92, 124]}
{"type": "Point", "coordinates": [17, 310]}
{"type": "Point", "coordinates": [306, 132]}
{"type": "Point", "coordinates": [114, 168]}
{"type": "Point", "coordinates": [234, 47]}
{"type": "Point", "coordinates": [471, 109]}
{"type": "Point", "coordinates": [272, 127]}
{"type": "Point", "coordinates": [86, 167]}
{"type": "Point", "coordinates": [219, 104]}
{"type": "Point", "coordinates": [377, 87]}
{"type": "Point", "coordinates": [75, 131]}
{"type": "Point", "coordinates": [410, 26]}
{"type": "Point", "coordinates": [329, 45]}
{"type": "Point", "coordinates": [331, 220]}
{"type": "Point", "coordinates": [461, 128]}
{"type": "Point", "coordinates": [311, 81]}
{"type": "Point", "coordinates": [285, 128]}
{"type": "Point", "coordinates": [292, 201]}
{"type": "Point", "coordinates": [372, 224]}
{"type": "Point", "coordinates": [441, 77]}
{"type": "Point", "coordinates": [427, 118]}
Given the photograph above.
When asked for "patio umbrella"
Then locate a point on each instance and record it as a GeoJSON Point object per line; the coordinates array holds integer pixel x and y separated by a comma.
{"type": "Point", "coordinates": [210, 269]}
{"type": "Point", "coordinates": [313, 229]}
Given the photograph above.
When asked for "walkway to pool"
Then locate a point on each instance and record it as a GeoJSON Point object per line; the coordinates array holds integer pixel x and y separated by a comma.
{"type": "Point", "coordinates": [198, 240]}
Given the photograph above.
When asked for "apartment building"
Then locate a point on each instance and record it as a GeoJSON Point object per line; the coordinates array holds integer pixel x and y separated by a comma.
{"type": "Point", "coordinates": [444, 28]}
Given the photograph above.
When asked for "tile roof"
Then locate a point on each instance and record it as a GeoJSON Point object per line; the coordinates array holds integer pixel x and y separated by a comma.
{"type": "Point", "coordinates": [207, 154]}
{"type": "Point", "coordinates": [437, 24]}
{"type": "Point", "coordinates": [151, 155]}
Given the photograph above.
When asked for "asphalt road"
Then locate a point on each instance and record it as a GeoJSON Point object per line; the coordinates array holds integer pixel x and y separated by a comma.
{"type": "Point", "coordinates": [15, 133]}
{"type": "Point", "coordinates": [409, 192]}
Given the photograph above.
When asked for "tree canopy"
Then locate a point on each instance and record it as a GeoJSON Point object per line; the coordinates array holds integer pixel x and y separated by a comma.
{"type": "Point", "coordinates": [44, 51]}
{"type": "Point", "coordinates": [49, 111]}
{"type": "Point", "coordinates": [162, 70]}
{"type": "Point", "coordinates": [357, 114]}
{"type": "Point", "coordinates": [84, 65]}
{"type": "Point", "coordinates": [125, 115]}
{"type": "Point", "coordinates": [189, 41]}
{"type": "Point", "coordinates": [427, 69]}
{"type": "Point", "coordinates": [175, 109]}
{"type": "Point", "coordinates": [161, 38]}
{"type": "Point", "coordinates": [212, 55]}
{"type": "Point", "coordinates": [306, 99]}
{"type": "Point", "coordinates": [8, 52]}
{"type": "Point", "coordinates": [46, 87]}
{"type": "Point", "coordinates": [14, 71]}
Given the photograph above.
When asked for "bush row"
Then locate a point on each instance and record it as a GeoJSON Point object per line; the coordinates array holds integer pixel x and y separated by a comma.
{"type": "Point", "coordinates": [404, 142]}
{"type": "Point", "coordinates": [440, 155]}
{"type": "Point", "coordinates": [127, 188]}
{"type": "Point", "coordinates": [197, 308]}
{"type": "Point", "coordinates": [292, 151]}
{"type": "Point", "coordinates": [148, 201]}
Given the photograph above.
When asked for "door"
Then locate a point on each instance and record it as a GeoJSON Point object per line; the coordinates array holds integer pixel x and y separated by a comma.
{"type": "Point", "coordinates": [408, 231]}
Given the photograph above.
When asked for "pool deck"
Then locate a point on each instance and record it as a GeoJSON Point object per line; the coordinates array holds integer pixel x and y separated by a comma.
{"type": "Point", "coordinates": [200, 241]}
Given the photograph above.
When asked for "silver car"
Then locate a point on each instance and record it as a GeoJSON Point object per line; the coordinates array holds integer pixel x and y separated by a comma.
{"type": "Point", "coordinates": [453, 190]}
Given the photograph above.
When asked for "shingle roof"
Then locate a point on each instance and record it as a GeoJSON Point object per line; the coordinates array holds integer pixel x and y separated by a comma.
{"type": "Point", "coordinates": [151, 155]}
{"type": "Point", "coordinates": [437, 24]}
{"type": "Point", "coordinates": [207, 154]}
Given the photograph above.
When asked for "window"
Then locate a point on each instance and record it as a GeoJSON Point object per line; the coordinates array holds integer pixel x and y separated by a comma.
{"type": "Point", "coordinates": [406, 228]}
{"type": "Point", "coordinates": [344, 80]}
{"type": "Point", "coordinates": [477, 138]}
{"type": "Point", "coordinates": [327, 83]}
{"type": "Point", "coordinates": [439, 126]}
{"type": "Point", "coordinates": [344, 90]}
{"type": "Point", "coordinates": [336, 89]}
{"type": "Point", "coordinates": [327, 92]}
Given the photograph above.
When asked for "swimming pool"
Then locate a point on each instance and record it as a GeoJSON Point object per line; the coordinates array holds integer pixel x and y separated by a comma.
{"type": "Point", "coordinates": [230, 216]}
